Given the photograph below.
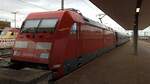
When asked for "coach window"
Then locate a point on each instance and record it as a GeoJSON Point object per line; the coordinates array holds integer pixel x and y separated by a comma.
{"type": "Point", "coordinates": [74, 28]}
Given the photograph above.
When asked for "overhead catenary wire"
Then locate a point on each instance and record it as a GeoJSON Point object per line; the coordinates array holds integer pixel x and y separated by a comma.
{"type": "Point", "coordinates": [3, 10]}
{"type": "Point", "coordinates": [33, 5]}
{"type": "Point", "coordinates": [18, 12]}
{"type": "Point", "coordinates": [6, 11]}
{"type": "Point", "coordinates": [29, 4]}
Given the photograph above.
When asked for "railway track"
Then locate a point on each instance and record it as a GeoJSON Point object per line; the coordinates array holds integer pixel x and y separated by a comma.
{"type": "Point", "coordinates": [6, 52]}
{"type": "Point", "coordinates": [25, 76]}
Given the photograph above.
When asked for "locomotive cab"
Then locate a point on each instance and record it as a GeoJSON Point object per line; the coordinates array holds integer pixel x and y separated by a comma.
{"type": "Point", "coordinates": [43, 38]}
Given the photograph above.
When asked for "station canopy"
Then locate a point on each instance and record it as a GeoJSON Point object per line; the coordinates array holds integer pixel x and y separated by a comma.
{"type": "Point", "coordinates": [123, 12]}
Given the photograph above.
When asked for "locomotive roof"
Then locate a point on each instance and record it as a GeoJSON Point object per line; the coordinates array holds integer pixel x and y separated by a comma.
{"type": "Point", "coordinates": [75, 14]}
{"type": "Point", "coordinates": [97, 24]}
{"type": "Point", "coordinates": [55, 14]}
{"type": "Point", "coordinates": [50, 14]}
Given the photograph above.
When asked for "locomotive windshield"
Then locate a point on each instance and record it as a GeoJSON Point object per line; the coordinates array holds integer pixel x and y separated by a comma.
{"type": "Point", "coordinates": [43, 25]}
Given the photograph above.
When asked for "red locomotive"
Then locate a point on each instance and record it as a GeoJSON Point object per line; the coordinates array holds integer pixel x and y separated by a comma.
{"type": "Point", "coordinates": [61, 41]}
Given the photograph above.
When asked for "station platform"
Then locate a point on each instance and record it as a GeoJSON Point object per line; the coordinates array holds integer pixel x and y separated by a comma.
{"type": "Point", "coordinates": [119, 66]}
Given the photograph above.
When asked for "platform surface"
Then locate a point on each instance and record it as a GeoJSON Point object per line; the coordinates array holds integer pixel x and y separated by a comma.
{"type": "Point", "coordinates": [119, 66]}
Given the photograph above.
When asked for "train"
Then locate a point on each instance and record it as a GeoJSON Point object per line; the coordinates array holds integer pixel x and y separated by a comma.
{"type": "Point", "coordinates": [7, 37]}
{"type": "Point", "coordinates": [4, 24]}
{"type": "Point", "coordinates": [62, 41]}
{"type": "Point", "coordinates": [121, 38]}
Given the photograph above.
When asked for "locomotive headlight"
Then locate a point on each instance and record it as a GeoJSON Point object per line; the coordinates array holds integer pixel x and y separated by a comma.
{"type": "Point", "coordinates": [44, 55]}
{"type": "Point", "coordinates": [44, 45]}
{"type": "Point", "coordinates": [21, 44]}
{"type": "Point", "coordinates": [16, 53]}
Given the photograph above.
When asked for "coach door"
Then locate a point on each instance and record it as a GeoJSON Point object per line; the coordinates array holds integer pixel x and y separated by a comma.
{"type": "Point", "coordinates": [72, 49]}
{"type": "Point", "coordinates": [75, 34]}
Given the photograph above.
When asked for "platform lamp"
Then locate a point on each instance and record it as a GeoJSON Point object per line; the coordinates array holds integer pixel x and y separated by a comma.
{"type": "Point", "coordinates": [15, 18]}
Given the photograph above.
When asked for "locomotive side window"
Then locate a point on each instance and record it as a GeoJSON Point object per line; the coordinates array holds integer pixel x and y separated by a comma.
{"type": "Point", "coordinates": [74, 28]}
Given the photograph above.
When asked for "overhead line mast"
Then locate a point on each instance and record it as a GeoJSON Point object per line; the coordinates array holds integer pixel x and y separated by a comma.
{"type": "Point", "coordinates": [62, 4]}
{"type": "Point", "coordinates": [136, 25]}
